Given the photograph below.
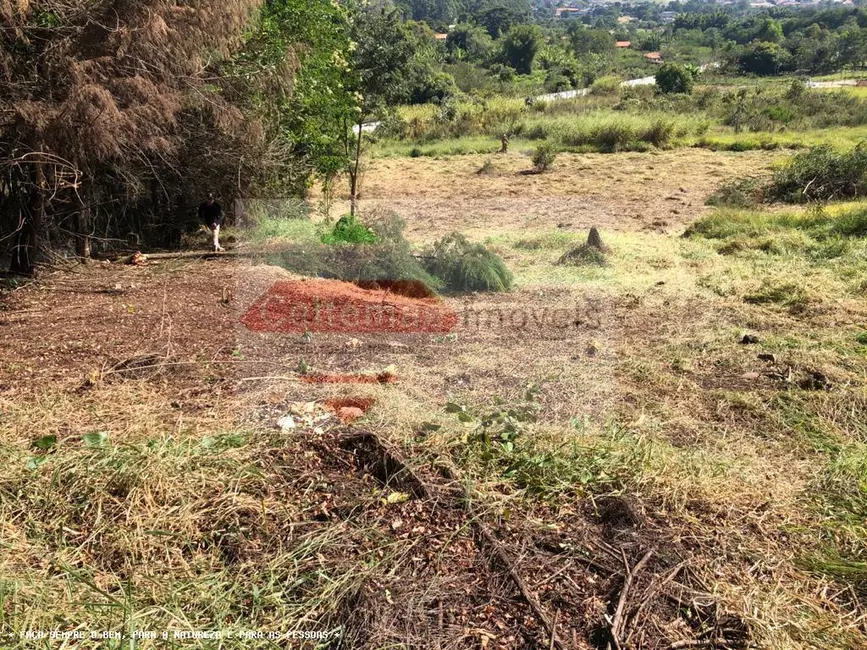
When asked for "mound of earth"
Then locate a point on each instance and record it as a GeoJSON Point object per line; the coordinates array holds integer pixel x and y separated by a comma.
{"type": "Point", "coordinates": [332, 306]}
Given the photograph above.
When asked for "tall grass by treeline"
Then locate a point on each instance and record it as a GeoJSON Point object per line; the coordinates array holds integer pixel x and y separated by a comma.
{"type": "Point", "coordinates": [611, 132]}
{"type": "Point", "coordinates": [580, 130]}
{"type": "Point", "coordinates": [616, 118]}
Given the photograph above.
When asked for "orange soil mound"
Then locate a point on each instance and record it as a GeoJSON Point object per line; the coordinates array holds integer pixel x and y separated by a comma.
{"type": "Point", "coordinates": [406, 288]}
{"type": "Point", "coordinates": [332, 306]}
{"type": "Point", "coordinates": [324, 378]}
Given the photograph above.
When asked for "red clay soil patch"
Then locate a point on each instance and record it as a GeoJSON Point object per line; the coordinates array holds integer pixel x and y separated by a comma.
{"type": "Point", "coordinates": [351, 408]}
{"type": "Point", "coordinates": [324, 378]}
{"type": "Point", "coordinates": [332, 306]}
{"type": "Point", "coordinates": [406, 288]}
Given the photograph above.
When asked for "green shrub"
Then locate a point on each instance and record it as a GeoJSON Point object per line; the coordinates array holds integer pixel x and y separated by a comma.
{"type": "Point", "coordinates": [389, 258]}
{"type": "Point", "coordinates": [659, 133]}
{"type": "Point", "coordinates": [674, 78]}
{"type": "Point", "coordinates": [348, 230]}
{"type": "Point", "coordinates": [462, 266]}
{"type": "Point", "coordinates": [821, 174]}
{"type": "Point", "coordinates": [544, 156]}
{"type": "Point", "coordinates": [608, 85]}
{"type": "Point", "coordinates": [613, 137]}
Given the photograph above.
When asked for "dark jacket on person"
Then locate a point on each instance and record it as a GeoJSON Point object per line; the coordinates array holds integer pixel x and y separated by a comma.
{"type": "Point", "coordinates": [211, 214]}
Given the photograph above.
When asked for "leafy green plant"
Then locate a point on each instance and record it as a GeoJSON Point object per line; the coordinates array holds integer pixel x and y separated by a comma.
{"type": "Point", "coordinates": [502, 441]}
{"type": "Point", "coordinates": [463, 266]}
{"type": "Point", "coordinates": [349, 230]}
{"type": "Point", "coordinates": [608, 85]}
{"type": "Point", "coordinates": [674, 78]}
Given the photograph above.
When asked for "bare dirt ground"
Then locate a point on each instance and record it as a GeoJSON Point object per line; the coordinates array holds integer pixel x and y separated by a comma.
{"type": "Point", "coordinates": [659, 447]}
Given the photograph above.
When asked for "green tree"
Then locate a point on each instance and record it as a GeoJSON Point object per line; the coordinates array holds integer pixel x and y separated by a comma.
{"type": "Point", "coordinates": [590, 41]}
{"type": "Point", "coordinates": [852, 46]}
{"type": "Point", "coordinates": [764, 59]}
{"type": "Point", "coordinates": [520, 47]}
{"type": "Point", "coordinates": [467, 42]}
{"type": "Point", "coordinates": [313, 117]}
{"type": "Point", "coordinates": [674, 78]}
{"type": "Point", "coordinates": [499, 20]}
{"type": "Point", "coordinates": [771, 31]}
{"type": "Point", "coordinates": [434, 12]}
{"type": "Point", "coordinates": [379, 75]}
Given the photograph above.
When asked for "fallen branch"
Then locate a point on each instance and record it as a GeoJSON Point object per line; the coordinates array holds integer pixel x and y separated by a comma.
{"type": "Point", "coordinates": [203, 255]}
{"type": "Point", "coordinates": [617, 621]}
{"type": "Point", "coordinates": [554, 630]}
{"type": "Point", "coordinates": [504, 559]}
{"type": "Point", "coordinates": [703, 643]}
{"type": "Point", "coordinates": [654, 589]}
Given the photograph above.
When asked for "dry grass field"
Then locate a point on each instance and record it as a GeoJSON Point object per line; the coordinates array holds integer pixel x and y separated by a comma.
{"type": "Point", "coordinates": [624, 192]}
{"type": "Point", "coordinates": [597, 456]}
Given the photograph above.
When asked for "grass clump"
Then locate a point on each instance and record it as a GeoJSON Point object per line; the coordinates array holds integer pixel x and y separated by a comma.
{"type": "Point", "coordinates": [349, 230]}
{"type": "Point", "coordinates": [818, 233]}
{"type": "Point", "coordinates": [786, 294]}
{"type": "Point", "coordinates": [740, 193]}
{"type": "Point", "coordinates": [487, 168]}
{"type": "Point", "coordinates": [506, 443]}
{"type": "Point", "coordinates": [842, 501]}
{"type": "Point", "coordinates": [552, 240]}
{"type": "Point", "coordinates": [590, 253]}
{"type": "Point", "coordinates": [584, 255]}
{"type": "Point", "coordinates": [462, 266]}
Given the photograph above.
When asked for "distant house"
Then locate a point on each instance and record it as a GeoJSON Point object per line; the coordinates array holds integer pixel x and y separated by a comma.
{"type": "Point", "coordinates": [668, 16]}
{"type": "Point", "coordinates": [441, 37]}
{"type": "Point", "coordinates": [623, 44]}
{"type": "Point", "coordinates": [624, 19]}
{"type": "Point", "coordinates": [653, 57]}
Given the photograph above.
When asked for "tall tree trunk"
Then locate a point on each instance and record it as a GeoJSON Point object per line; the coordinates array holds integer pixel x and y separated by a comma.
{"type": "Point", "coordinates": [83, 224]}
{"type": "Point", "coordinates": [27, 241]}
{"type": "Point", "coordinates": [353, 172]}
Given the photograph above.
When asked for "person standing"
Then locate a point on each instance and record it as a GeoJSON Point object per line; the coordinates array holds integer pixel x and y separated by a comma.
{"type": "Point", "coordinates": [211, 214]}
